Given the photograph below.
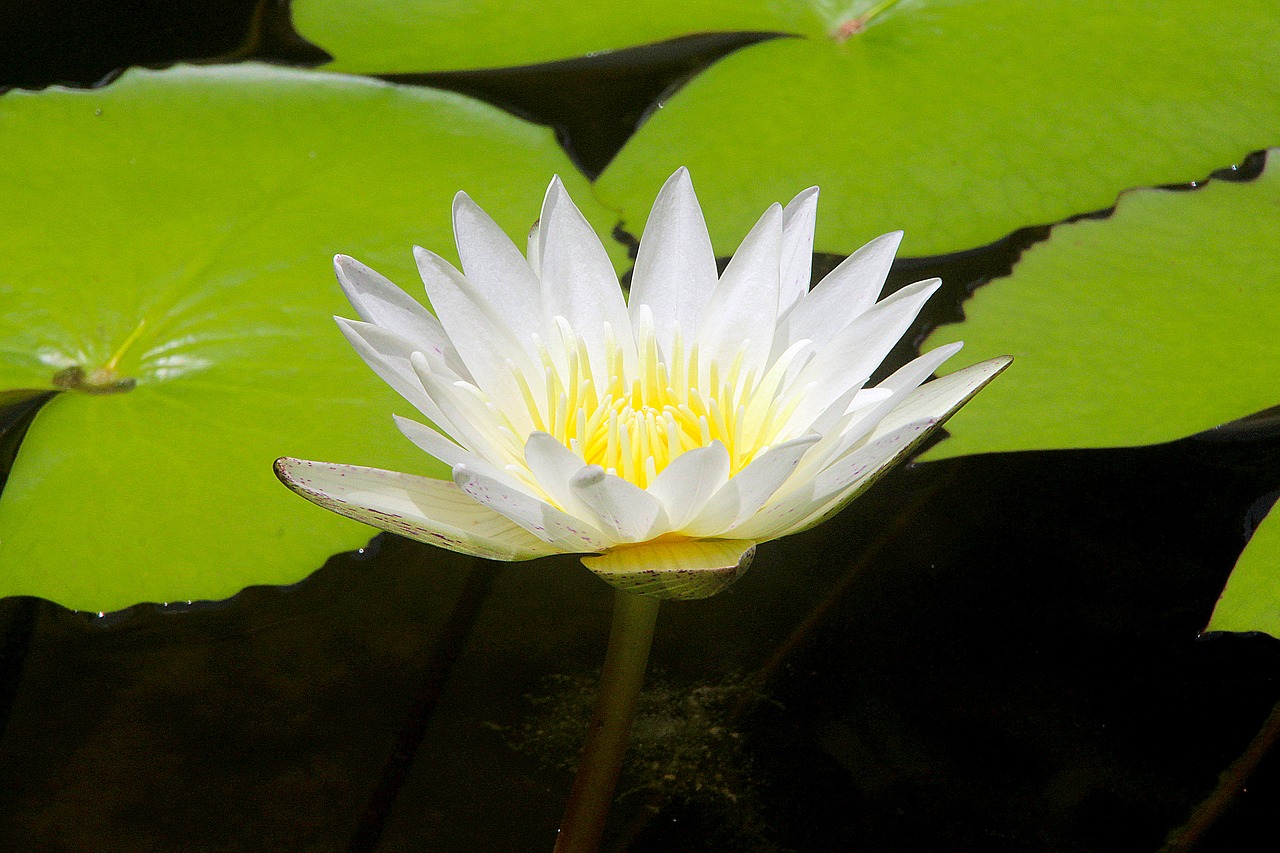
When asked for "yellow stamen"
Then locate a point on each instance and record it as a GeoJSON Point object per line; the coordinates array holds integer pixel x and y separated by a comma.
{"type": "Point", "coordinates": [635, 420]}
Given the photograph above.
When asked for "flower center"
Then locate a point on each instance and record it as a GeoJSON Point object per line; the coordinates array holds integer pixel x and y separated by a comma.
{"type": "Point", "coordinates": [650, 413]}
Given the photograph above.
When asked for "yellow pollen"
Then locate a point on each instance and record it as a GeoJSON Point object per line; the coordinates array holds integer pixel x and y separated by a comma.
{"type": "Point", "coordinates": [650, 413]}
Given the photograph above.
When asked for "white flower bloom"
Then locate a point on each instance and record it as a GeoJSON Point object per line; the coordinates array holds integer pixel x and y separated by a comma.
{"type": "Point", "coordinates": [666, 435]}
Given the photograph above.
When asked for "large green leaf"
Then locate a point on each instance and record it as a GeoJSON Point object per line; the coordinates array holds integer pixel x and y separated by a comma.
{"type": "Point", "coordinates": [406, 36]}
{"type": "Point", "coordinates": [1155, 323]}
{"type": "Point", "coordinates": [956, 121]}
{"type": "Point", "coordinates": [962, 121]}
{"type": "Point", "coordinates": [1151, 325]}
{"type": "Point", "coordinates": [186, 220]}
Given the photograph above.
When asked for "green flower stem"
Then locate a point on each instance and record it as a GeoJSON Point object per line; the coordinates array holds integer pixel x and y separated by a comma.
{"type": "Point", "coordinates": [583, 824]}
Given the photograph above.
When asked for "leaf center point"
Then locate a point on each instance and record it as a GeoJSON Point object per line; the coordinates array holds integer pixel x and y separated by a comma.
{"type": "Point", "coordinates": [851, 27]}
{"type": "Point", "coordinates": [103, 380]}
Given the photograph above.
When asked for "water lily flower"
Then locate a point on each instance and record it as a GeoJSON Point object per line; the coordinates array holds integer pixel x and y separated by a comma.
{"type": "Point", "coordinates": [663, 436]}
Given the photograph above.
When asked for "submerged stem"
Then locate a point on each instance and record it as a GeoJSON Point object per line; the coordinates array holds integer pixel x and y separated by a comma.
{"type": "Point", "coordinates": [629, 639]}
{"type": "Point", "coordinates": [1230, 785]}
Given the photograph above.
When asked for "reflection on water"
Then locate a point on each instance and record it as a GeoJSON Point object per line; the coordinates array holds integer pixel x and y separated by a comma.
{"type": "Point", "coordinates": [993, 653]}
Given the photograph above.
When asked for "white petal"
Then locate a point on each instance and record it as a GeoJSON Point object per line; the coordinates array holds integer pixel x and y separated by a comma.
{"type": "Point", "coordinates": [449, 452]}
{"type": "Point", "coordinates": [429, 510]}
{"type": "Point", "coordinates": [743, 308]}
{"type": "Point", "coordinates": [850, 437]}
{"type": "Point", "coordinates": [433, 443]}
{"type": "Point", "coordinates": [554, 465]}
{"type": "Point", "coordinates": [875, 404]}
{"type": "Point", "coordinates": [675, 271]}
{"type": "Point", "coordinates": [750, 488]}
{"type": "Point", "coordinates": [853, 474]}
{"type": "Point", "coordinates": [389, 354]}
{"type": "Point", "coordinates": [847, 291]}
{"type": "Point", "coordinates": [579, 283]}
{"type": "Point", "coordinates": [848, 359]}
{"type": "Point", "coordinates": [943, 396]}
{"type": "Point", "coordinates": [850, 401]}
{"type": "Point", "coordinates": [893, 392]}
{"type": "Point", "coordinates": [798, 220]}
{"type": "Point", "coordinates": [534, 249]}
{"type": "Point", "coordinates": [568, 534]}
{"type": "Point", "coordinates": [765, 402]}
{"type": "Point", "coordinates": [686, 484]}
{"type": "Point", "coordinates": [803, 507]}
{"type": "Point", "coordinates": [628, 512]}
{"type": "Point", "coordinates": [916, 371]}
{"type": "Point", "coordinates": [472, 425]}
{"type": "Point", "coordinates": [486, 343]}
{"type": "Point", "coordinates": [496, 269]}
{"type": "Point", "coordinates": [380, 302]}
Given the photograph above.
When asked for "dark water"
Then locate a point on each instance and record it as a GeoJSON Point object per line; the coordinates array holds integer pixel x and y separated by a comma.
{"type": "Point", "coordinates": [997, 653]}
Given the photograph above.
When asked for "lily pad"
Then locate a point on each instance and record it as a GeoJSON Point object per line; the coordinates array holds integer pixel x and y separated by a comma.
{"type": "Point", "coordinates": [1150, 325]}
{"type": "Point", "coordinates": [1154, 324]}
{"type": "Point", "coordinates": [167, 243]}
{"type": "Point", "coordinates": [408, 36]}
{"type": "Point", "coordinates": [1251, 601]}
{"type": "Point", "coordinates": [962, 121]}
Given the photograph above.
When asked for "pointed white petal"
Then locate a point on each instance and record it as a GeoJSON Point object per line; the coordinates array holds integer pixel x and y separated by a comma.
{"type": "Point", "coordinates": [472, 425]}
{"type": "Point", "coordinates": [388, 355]}
{"type": "Point", "coordinates": [943, 396]}
{"type": "Point", "coordinates": [686, 570]}
{"type": "Point", "coordinates": [435, 444]}
{"type": "Point", "coordinates": [750, 488]}
{"type": "Point", "coordinates": [798, 220]}
{"type": "Point", "coordinates": [380, 302]}
{"type": "Point", "coordinates": [686, 484]}
{"type": "Point", "coordinates": [867, 460]}
{"type": "Point", "coordinates": [889, 395]}
{"type": "Point", "coordinates": [497, 270]}
{"type": "Point", "coordinates": [675, 271]}
{"type": "Point", "coordinates": [803, 507]}
{"type": "Point", "coordinates": [848, 359]}
{"type": "Point", "coordinates": [449, 452]}
{"type": "Point", "coordinates": [623, 509]}
{"type": "Point", "coordinates": [434, 511]}
{"type": "Point", "coordinates": [743, 308]}
{"type": "Point", "coordinates": [567, 533]}
{"type": "Point", "coordinates": [857, 472]}
{"type": "Point", "coordinates": [872, 405]}
{"type": "Point", "coordinates": [847, 291]}
{"type": "Point", "coordinates": [484, 340]}
{"type": "Point", "coordinates": [579, 283]}
{"type": "Point", "coordinates": [916, 371]}
{"type": "Point", "coordinates": [850, 401]}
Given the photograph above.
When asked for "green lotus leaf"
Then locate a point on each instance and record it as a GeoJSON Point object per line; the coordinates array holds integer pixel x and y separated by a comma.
{"type": "Point", "coordinates": [168, 243]}
{"type": "Point", "coordinates": [962, 121]}
{"type": "Point", "coordinates": [406, 36]}
{"type": "Point", "coordinates": [1251, 601]}
{"type": "Point", "coordinates": [1153, 324]}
